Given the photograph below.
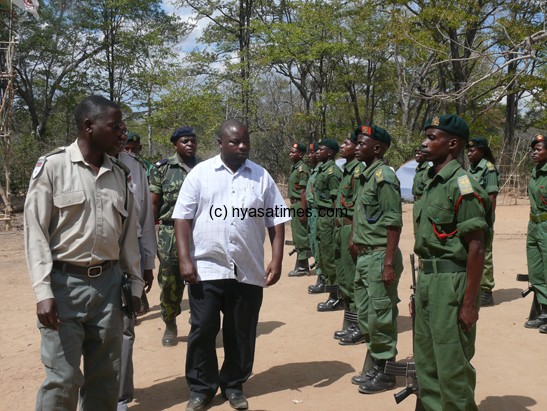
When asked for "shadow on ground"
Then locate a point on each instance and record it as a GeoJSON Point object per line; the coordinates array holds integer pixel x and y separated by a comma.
{"type": "Point", "coordinates": [506, 295]}
{"type": "Point", "coordinates": [507, 403]}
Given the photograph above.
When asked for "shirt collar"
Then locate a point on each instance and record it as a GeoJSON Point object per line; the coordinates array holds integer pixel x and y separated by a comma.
{"type": "Point", "coordinates": [446, 172]}
{"type": "Point", "coordinates": [218, 164]}
{"type": "Point", "coordinates": [76, 156]}
{"type": "Point", "coordinates": [370, 171]}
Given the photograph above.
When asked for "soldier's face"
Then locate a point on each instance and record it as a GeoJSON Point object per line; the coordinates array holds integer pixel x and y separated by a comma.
{"type": "Point", "coordinates": [347, 149]}
{"type": "Point", "coordinates": [365, 149]}
{"type": "Point", "coordinates": [108, 132]}
{"type": "Point", "coordinates": [323, 153]}
{"type": "Point", "coordinates": [133, 147]}
{"type": "Point", "coordinates": [474, 155]}
{"type": "Point", "coordinates": [312, 156]}
{"type": "Point", "coordinates": [186, 146]}
{"type": "Point", "coordinates": [539, 153]}
{"type": "Point", "coordinates": [419, 156]}
{"type": "Point", "coordinates": [295, 155]}
{"type": "Point", "coordinates": [436, 145]}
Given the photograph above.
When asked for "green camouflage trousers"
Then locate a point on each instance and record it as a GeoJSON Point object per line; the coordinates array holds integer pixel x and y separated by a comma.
{"type": "Point", "coordinates": [171, 284]}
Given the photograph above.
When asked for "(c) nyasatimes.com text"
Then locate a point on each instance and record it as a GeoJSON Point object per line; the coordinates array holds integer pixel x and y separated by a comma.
{"type": "Point", "coordinates": [223, 212]}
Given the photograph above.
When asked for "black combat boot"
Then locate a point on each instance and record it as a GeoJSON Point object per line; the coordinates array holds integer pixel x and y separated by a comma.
{"type": "Point", "coordinates": [347, 327]}
{"type": "Point", "coordinates": [300, 268]}
{"type": "Point", "coordinates": [170, 335]}
{"type": "Point", "coordinates": [332, 304]}
{"type": "Point", "coordinates": [353, 338]}
{"type": "Point", "coordinates": [369, 371]}
{"type": "Point", "coordinates": [486, 299]}
{"type": "Point", "coordinates": [318, 287]}
{"type": "Point", "coordinates": [540, 320]}
{"type": "Point", "coordinates": [380, 382]}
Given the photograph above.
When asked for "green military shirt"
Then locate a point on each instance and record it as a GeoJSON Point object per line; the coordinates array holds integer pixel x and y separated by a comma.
{"type": "Point", "coordinates": [165, 180]}
{"type": "Point", "coordinates": [537, 190]}
{"type": "Point", "coordinates": [450, 210]}
{"type": "Point", "coordinates": [420, 180]}
{"type": "Point", "coordinates": [310, 186]}
{"type": "Point", "coordinates": [486, 174]}
{"type": "Point", "coordinates": [298, 179]}
{"type": "Point", "coordinates": [378, 205]}
{"type": "Point", "coordinates": [326, 184]}
{"type": "Point", "coordinates": [349, 186]}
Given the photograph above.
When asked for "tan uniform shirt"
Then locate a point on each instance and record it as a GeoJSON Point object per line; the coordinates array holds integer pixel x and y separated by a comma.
{"type": "Point", "coordinates": [143, 207]}
{"type": "Point", "coordinates": [77, 217]}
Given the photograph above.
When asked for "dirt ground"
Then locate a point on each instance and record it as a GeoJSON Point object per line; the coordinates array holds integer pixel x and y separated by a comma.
{"type": "Point", "coordinates": [298, 366]}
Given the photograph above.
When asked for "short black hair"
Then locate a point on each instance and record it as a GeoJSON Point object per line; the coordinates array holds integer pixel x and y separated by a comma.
{"type": "Point", "coordinates": [92, 107]}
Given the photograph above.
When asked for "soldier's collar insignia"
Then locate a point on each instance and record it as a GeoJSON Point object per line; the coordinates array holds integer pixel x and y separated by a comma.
{"type": "Point", "coordinates": [436, 121]}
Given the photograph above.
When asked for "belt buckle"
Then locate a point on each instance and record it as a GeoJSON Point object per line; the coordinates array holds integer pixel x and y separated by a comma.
{"type": "Point", "coordinates": [90, 273]}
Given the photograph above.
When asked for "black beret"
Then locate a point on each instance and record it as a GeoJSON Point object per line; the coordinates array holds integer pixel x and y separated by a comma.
{"type": "Point", "coordinates": [537, 139]}
{"type": "Point", "coordinates": [449, 123]}
{"type": "Point", "coordinates": [478, 142]}
{"type": "Point", "coordinates": [299, 147]}
{"type": "Point", "coordinates": [330, 143]}
{"type": "Point", "coordinates": [133, 137]}
{"type": "Point", "coordinates": [182, 132]}
{"type": "Point", "coordinates": [374, 132]}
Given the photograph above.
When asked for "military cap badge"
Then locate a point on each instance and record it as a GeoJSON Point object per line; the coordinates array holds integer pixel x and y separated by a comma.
{"type": "Point", "coordinates": [436, 121]}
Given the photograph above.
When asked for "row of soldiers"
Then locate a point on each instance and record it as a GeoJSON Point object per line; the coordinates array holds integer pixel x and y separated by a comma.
{"type": "Point", "coordinates": [352, 225]}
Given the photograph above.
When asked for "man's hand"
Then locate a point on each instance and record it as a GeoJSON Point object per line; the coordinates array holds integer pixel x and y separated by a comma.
{"type": "Point", "coordinates": [388, 275]}
{"type": "Point", "coordinates": [468, 316]}
{"type": "Point", "coordinates": [273, 273]}
{"type": "Point", "coordinates": [148, 276]}
{"type": "Point", "coordinates": [353, 250]}
{"type": "Point", "coordinates": [188, 271]}
{"type": "Point", "coordinates": [46, 311]}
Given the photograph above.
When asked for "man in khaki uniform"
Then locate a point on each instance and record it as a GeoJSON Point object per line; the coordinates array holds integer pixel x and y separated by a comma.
{"type": "Point", "coordinates": [80, 238]}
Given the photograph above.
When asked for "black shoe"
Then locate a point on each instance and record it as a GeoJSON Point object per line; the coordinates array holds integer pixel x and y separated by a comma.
{"type": "Point", "coordinates": [537, 322]}
{"type": "Point", "coordinates": [344, 333]}
{"type": "Point", "coordinates": [318, 287]}
{"type": "Point", "coordinates": [169, 338]}
{"type": "Point", "coordinates": [486, 299]}
{"type": "Point", "coordinates": [198, 401]}
{"type": "Point", "coordinates": [362, 378]}
{"type": "Point", "coordinates": [380, 383]}
{"type": "Point", "coordinates": [301, 268]}
{"type": "Point", "coordinates": [298, 273]}
{"type": "Point", "coordinates": [332, 304]}
{"type": "Point", "coordinates": [237, 400]}
{"type": "Point", "coordinates": [353, 338]}
{"type": "Point", "coordinates": [543, 329]}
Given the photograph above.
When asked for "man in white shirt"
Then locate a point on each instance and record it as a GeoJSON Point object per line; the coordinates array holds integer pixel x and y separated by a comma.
{"type": "Point", "coordinates": [223, 207]}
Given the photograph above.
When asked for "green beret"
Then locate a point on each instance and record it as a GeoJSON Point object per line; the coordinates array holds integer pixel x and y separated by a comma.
{"type": "Point", "coordinates": [449, 123]}
{"type": "Point", "coordinates": [299, 147]}
{"type": "Point", "coordinates": [330, 143]}
{"type": "Point", "coordinates": [133, 137]}
{"type": "Point", "coordinates": [374, 132]}
{"type": "Point", "coordinates": [537, 139]}
{"type": "Point", "coordinates": [477, 142]}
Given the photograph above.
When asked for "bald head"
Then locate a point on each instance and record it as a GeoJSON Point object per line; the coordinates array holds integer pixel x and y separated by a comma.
{"type": "Point", "coordinates": [231, 127]}
{"type": "Point", "coordinates": [234, 143]}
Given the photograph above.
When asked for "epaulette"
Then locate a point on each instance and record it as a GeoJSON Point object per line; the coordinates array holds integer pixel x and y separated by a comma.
{"type": "Point", "coordinates": [161, 162]}
{"type": "Point", "coordinates": [330, 170]}
{"type": "Point", "coordinates": [357, 171]}
{"type": "Point", "coordinates": [465, 185]}
{"type": "Point", "coordinates": [42, 160]}
{"type": "Point", "coordinates": [127, 171]}
{"type": "Point", "coordinates": [490, 166]}
{"type": "Point", "coordinates": [379, 176]}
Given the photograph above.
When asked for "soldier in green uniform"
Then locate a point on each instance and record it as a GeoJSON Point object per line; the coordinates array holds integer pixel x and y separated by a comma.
{"type": "Point", "coordinates": [536, 241]}
{"type": "Point", "coordinates": [483, 170]}
{"type": "Point", "coordinates": [134, 147]}
{"type": "Point", "coordinates": [345, 265]}
{"type": "Point", "coordinates": [419, 182]}
{"type": "Point", "coordinates": [298, 179]}
{"type": "Point", "coordinates": [377, 226]}
{"type": "Point", "coordinates": [165, 182]}
{"type": "Point", "coordinates": [452, 227]}
{"type": "Point", "coordinates": [325, 192]}
{"type": "Point", "coordinates": [311, 211]}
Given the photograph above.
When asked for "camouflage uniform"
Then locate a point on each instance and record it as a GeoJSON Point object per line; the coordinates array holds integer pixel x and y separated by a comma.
{"type": "Point", "coordinates": [165, 181]}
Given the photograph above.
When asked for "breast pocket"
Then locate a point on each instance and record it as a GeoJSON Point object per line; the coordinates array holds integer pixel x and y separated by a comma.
{"type": "Point", "coordinates": [371, 208]}
{"type": "Point", "coordinates": [443, 222]}
{"type": "Point", "coordinates": [66, 202]}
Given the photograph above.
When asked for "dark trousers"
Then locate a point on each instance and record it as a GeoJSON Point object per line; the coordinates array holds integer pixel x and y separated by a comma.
{"type": "Point", "coordinates": [240, 304]}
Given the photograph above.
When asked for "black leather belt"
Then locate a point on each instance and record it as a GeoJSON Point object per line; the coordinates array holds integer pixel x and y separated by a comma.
{"type": "Point", "coordinates": [441, 266]}
{"type": "Point", "coordinates": [169, 223]}
{"type": "Point", "coordinates": [93, 271]}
